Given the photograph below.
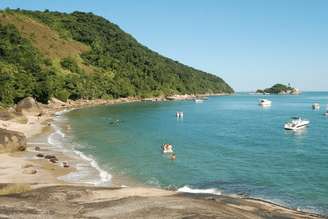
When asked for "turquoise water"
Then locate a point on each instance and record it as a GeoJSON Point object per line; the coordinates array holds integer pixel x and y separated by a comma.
{"type": "Point", "coordinates": [227, 143]}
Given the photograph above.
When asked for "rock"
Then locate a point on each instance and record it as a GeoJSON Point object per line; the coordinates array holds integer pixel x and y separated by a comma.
{"type": "Point", "coordinates": [11, 141]}
{"type": "Point", "coordinates": [5, 115]}
{"type": "Point", "coordinates": [37, 148]}
{"type": "Point", "coordinates": [27, 166]}
{"type": "Point", "coordinates": [56, 103]}
{"type": "Point", "coordinates": [39, 155]}
{"type": "Point", "coordinates": [65, 164]}
{"type": "Point", "coordinates": [30, 171]}
{"type": "Point", "coordinates": [50, 157]}
{"type": "Point", "coordinates": [53, 160]}
{"type": "Point", "coordinates": [28, 106]}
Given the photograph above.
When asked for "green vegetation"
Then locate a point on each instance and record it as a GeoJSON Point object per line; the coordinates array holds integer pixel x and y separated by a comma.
{"type": "Point", "coordinates": [115, 65]}
{"type": "Point", "coordinates": [278, 89]}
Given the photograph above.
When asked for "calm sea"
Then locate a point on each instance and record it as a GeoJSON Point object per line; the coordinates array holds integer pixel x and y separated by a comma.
{"type": "Point", "coordinates": [227, 145]}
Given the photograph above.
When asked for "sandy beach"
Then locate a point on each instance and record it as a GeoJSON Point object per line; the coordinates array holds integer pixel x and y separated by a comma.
{"type": "Point", "coordinates": [44, 194]}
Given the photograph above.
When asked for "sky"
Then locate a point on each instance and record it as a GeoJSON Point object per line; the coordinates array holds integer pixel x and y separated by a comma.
{"type": "Point", "coordinates": [249, 43]}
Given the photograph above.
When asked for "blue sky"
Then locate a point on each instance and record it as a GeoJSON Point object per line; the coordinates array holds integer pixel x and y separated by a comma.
{"type": "Point", "coordinates": [249, 43]}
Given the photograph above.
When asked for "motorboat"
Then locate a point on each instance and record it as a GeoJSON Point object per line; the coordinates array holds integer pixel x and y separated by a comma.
{"type": "Point", "coordinates": [316, 106]}
{"type": "Point", "coordinates": [167, 148]}
{"type": "Point", "coordinates": [296, 123]}
{"type": "Point", "coordinates": [326, 113]}
{"type": "Point", "coordinates": [179, 114]}
{"type": "Point", "coordinates": [265, 102]}
{"type": "Point", "coordinates": [198, 100]}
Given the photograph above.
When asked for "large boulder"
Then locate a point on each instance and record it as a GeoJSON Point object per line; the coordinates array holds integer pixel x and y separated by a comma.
{"type": "Point", "coordinates": [11, 141]}
{"type": "Point", "coordinates": [28, 106]}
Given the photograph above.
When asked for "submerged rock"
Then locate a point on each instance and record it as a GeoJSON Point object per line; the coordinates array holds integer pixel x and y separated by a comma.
{"type": "Point", "coordinates": [11, 141]}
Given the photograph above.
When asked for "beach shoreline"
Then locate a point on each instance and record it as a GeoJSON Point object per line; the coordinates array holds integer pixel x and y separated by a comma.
{"type": "Point", "coordinates": [48, 174]}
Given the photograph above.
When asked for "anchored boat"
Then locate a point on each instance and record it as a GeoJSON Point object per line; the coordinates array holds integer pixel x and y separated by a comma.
{"type": "Point", "coordinates": [198, 100]}
{"type": "Point", "coordinates": [265, 102]}
{"type": "Point", "coordinates": [167, 148]}
{"type": "Point", "coordinates": [316, 106]}
{"type": "Point", "coordinates": [296, 123]}
{"type": "Point", "coordinates": [179, 114]}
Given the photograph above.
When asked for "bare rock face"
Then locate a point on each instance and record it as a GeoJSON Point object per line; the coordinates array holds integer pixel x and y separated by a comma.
{"type": "Point", "coordinates": [11, 141]}
{"type": "Point", "coordinates": [55, 103]}
{"type": "Point", "coordinates": [5, 115]}
{"type": "Point", "coordinates": [28, 106]}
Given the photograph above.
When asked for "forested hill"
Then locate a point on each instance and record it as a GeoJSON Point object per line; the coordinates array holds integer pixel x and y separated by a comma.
{"type": "Point", "coordinates": [81, 55]}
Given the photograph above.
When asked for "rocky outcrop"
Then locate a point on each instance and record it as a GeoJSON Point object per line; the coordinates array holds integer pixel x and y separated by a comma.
{"type": "Point", "coordinates": [28, 106]}
{"type": "Point", "coordinates": [55, 103]}
{"type": "Point", "coordinates": [11, 141]}
{"type": "Point", "coordinates": [100, 202]}
{"type": "Point", "coordinates": [5, 115]}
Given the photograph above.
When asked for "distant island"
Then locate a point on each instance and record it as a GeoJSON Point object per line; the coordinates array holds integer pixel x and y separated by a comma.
{"type": "Point", "coordinates": [279, 89]}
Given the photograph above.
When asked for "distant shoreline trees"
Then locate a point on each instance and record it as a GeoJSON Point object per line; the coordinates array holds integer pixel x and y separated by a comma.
{"type": "Point", "coordinates": [118, 65]}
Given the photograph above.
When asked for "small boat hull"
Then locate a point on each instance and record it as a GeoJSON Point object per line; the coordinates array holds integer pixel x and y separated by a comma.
{"type": "Point", "coordinates": [316, 106]}
{"type": "Point", "coordinates": [167, 149]}
{"type": "Point", "coordinates": [292, 127]}
{"type": "Point", "coordinates": [265, 103]}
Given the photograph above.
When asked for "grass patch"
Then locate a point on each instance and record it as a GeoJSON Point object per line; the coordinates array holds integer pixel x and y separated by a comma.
{"type": "Point", "coordinates": [14, 189]}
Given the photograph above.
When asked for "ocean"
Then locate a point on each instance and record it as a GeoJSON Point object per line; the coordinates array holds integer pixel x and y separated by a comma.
{"type": "Point", "coordinates": [226, 145]}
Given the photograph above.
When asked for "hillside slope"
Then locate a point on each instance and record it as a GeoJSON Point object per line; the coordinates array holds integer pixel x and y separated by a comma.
{"type": "Point", "coordinates": [81, 55]}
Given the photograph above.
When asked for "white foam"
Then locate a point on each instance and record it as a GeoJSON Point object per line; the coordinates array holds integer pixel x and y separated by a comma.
{"type": "Point", "coordinates": [57, 139]}
{"type": "Point", "coordinates": [187, 189]}
{"type": "Point", "coordinates": [105, 177]}
{"type": "Point", "coordinates": [54, 137]}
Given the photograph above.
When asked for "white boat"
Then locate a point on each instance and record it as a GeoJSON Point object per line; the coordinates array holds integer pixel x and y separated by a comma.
{"type": "Point", "coordinates": [198, 100]}
{"type": "Point", "coordinates": [296, 123]}
{"type": "Point", "coordinates": [326, 113]}
{"type": "Point", "coordinates": [179, 114]}
{"type": "Point", "coordinates": [316, 106]}
{"type": "Point", "coordinates": [167, 148]}
{"type": "Point", "coordinates": [265, 102]}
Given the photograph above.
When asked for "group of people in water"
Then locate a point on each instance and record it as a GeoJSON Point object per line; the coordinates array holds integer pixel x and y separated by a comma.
{"type": "Point", "coordinates": [168, 149]}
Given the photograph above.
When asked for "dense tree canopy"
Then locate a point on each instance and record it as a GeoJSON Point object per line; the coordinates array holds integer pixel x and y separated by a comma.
{"type": "Point", "coordinates": [120, 65]}
{"type": "Point", "coordinates": [276, 89]}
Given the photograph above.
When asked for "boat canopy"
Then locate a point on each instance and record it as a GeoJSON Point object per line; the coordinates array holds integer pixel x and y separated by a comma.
{"type": "Point", "coordinates": [296, 117]}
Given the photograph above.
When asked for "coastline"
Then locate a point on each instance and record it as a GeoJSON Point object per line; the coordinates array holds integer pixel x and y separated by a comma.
{"type": "Point", "coordinates": [49, 175]}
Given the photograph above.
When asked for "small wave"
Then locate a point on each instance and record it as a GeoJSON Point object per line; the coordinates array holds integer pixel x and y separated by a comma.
{"type": "Point", "coordinates": [57, 139]}
{"type": "Point", "coordinates": [105, 177]}
{"type": "Point", "coordinates": [54, 138]}
{"type": "Point", "coordinates": [59, 113]}
{"type": "Point", "coordinates": [187, 189]}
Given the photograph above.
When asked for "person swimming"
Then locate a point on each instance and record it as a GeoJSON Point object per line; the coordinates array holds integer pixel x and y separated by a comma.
{"type": "Point", "coordinates": [173, 157]}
